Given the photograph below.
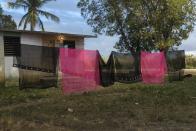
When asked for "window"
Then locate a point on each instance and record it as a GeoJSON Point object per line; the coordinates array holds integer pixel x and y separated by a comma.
{"type": "Point", "coordinates": [69, 44]}
{"type": "Point", "coordinates": [11, 46]}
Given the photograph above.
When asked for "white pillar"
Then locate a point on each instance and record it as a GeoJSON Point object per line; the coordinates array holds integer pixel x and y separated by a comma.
{"type": "Point", "coordinates": [2, 61]}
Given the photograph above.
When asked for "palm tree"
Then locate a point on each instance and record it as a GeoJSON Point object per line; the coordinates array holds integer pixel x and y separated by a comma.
{"type": "Point", "coordinates": [32, 17]}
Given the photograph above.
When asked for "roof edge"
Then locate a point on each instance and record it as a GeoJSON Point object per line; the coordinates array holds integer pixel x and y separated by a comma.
{"type": "Point", "coordinates": [48, 33]}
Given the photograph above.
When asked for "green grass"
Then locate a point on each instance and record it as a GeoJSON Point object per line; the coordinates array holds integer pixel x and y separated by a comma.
{"type": "Point", "coordinates": [171, 106]}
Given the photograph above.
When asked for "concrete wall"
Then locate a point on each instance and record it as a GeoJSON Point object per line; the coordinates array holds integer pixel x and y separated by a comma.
{"type": "Point", "coordinates": [52, 41]}
{"type": "Point", "coordinates": [2, 65]}
{"type": "Point", "coordinates": [31, 39]}
{"type": "Point", "coordinates": [189, 71]}
{"type": "Point", "coordinates": [80, 43]}
{"type": "Point", "coordinates": [10, 74]}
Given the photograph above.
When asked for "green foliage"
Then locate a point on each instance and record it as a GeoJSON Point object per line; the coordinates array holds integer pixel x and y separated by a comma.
{"type": "Point", "coordinates": [6, 21]}
{"type": "Point", "coordinates": [191, 62]}
{"type": "Point", "coordinates": [1, 10]}
{"type": "Point", "coordinates": [141, 24]}
{"type": "Point", "coordinates": [33, 8]}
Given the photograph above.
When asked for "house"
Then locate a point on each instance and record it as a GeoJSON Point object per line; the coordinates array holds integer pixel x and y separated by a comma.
{"type": "Point", "coordinates": [10, 41]}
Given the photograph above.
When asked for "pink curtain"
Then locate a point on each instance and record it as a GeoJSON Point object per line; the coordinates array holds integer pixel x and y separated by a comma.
{"type": "Point", "coordinates": [153, 67]}
{"type": "Point", "coordinates": [80, 70]}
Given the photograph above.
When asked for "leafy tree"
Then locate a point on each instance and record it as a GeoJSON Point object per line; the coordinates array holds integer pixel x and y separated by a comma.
{"type": "Point", "coordinates": [1, 13]}
{"type": "Point", "coordinates": [32, 17]}
{"type": "Point", "coordinates": [190, 61]}
{"type": "Point", "coordinates": [1, 10]}
{"type": "Point", "coordinates": [6, 21]}
{"type": "Point", "coordinates": [141, 24]}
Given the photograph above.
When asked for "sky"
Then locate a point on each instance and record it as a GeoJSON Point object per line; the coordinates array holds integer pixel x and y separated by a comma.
{"type": "Point", "coordinates": [71, 21]}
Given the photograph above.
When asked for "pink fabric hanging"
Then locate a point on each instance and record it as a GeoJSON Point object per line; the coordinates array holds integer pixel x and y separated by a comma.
{"type": "Point", "coordinates": [153, 67]}
{"type": "Point", "coordinates": [80, 70]}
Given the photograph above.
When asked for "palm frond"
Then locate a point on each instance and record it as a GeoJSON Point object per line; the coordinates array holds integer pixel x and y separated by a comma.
{"type": "Point", "coordinates": [46, 1]}
{"type": "Point", "coordinates": [23, 19]}
{"type": "Point", "coordinates": [26, 2]}
{"type": "Point", "coordinates": [41, 25]}
{"type": "Point", "coordinates": [32, 17]}
{"type": "Point", "coordinates": [17, 5]}
{"type": "Point", "coordinates": [27, 20]}
{"type": "Point", "coordinates": [49, 15]}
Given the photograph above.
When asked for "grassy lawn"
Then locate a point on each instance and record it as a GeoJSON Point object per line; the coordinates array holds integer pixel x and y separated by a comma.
{"type": "Point", "coordinates": [120, 107]}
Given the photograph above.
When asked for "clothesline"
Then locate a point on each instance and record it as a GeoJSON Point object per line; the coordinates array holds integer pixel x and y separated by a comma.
{"type": "Point", "coordinates": [85, 70]}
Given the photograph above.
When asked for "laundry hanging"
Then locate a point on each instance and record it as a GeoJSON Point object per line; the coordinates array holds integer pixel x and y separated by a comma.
{"type": "Point", "coordinates": [126, 67]}
{"type": "Point", "coordinates": [153, 67]}
{"type": "Point", "coordinates": [80, 70]}
{"type": "Point", "coordinates": [175, 62]}
{"type": "Point", "coordinates": [106, 72]}
{"type": "Point", "coordinates": [37, 66]}
{"type": "Point", "coordinates": [37, 58]}
{"type": "Point", "coordinates": [120, 67]}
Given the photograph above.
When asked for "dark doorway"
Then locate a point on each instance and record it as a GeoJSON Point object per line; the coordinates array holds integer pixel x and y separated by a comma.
{"type": "Point", "coordinates": [69, 44]}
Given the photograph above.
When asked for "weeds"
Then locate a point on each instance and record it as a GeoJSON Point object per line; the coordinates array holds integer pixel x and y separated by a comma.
{"type": "Point", "coordinates": [120, 107]}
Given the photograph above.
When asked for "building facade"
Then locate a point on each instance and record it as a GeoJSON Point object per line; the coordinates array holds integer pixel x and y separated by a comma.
{"type": "Point", "coordinates": [10, 41]}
